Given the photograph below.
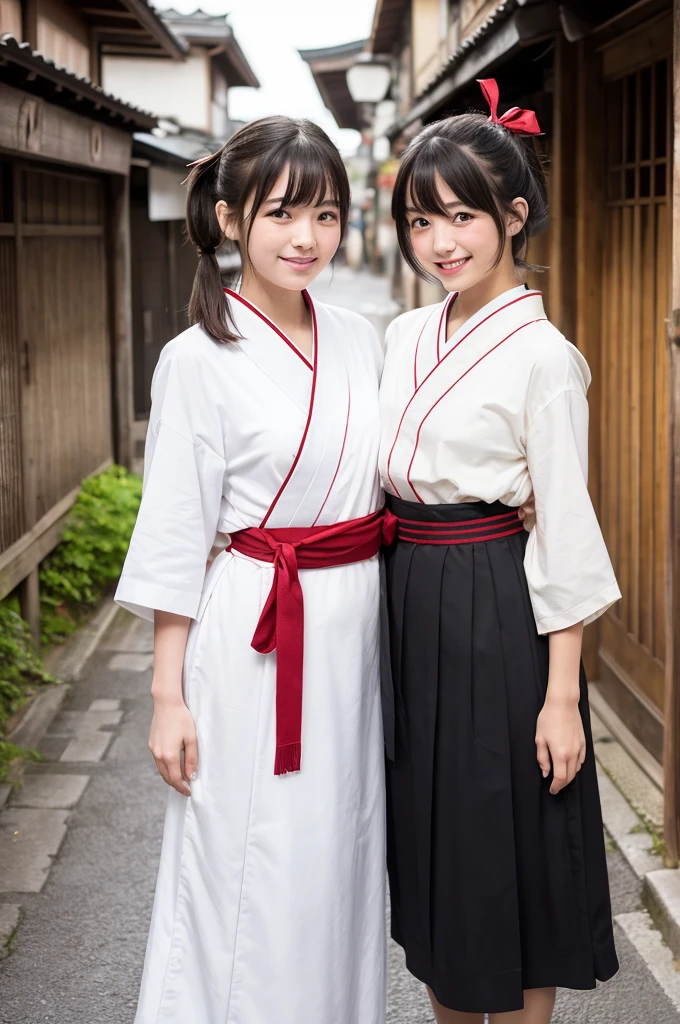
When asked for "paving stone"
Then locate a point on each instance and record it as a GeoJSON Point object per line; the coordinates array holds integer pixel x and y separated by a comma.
{"type": "Point", "coordinates": [662, 894]}
{"type": "Point", "coordinates": [640, 931]}
{"type": "Point", "coordinates": [131, 662]}
{"type": "Point", "coordinates": [50, 791]}
{"type": "Point", "coordinates": [5, 790]}
{"type": "Point", "coordinates": [646, 798]}
{"type": "Point", "coordinates": [68, 723]}
{"type": "Point", "coordinates": [9, 919]}
{"type": "Point", "coordinates": [130, 633]}
{"type": "Point", "coordinates": [51, 748]}
{"type": "Point", "coordinates": [89, 746]}
{"type": "Point", "coordinates": [626, 828]}
{"type": "Point", "coordinates": [29, 839]}
{"type": "Point", "coordinates": [104, 704]}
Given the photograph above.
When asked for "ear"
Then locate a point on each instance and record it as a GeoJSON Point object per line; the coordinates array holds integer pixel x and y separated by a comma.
{"type": "Point", "coordinates": [227, 221]}
{"type": "Point", "coordinates": [518, 218]}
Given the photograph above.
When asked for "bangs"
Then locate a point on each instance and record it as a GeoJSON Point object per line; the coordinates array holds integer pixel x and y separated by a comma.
{"type": "Point", "coordinates": [315, 175]}
{"type": "Point", "coordinates": [462, 173]}
{"type": "Point", "coordinates": [416, 189]}
{"type": "Point", "coordinates": [310, 180]}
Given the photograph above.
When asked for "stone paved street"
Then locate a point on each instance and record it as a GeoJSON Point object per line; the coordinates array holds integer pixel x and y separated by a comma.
{"type": "Point", "coordinates": [78, 951]}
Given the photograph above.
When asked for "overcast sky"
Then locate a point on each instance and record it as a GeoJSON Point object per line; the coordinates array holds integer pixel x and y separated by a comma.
{"type": "Point", "coordinates": [270, 32]}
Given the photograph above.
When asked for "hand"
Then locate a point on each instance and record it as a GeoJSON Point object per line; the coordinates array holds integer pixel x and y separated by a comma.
{"type": "Point", "coordinates": [527, 513]}
{"type": "Point", "coordinates": [560, 737]}
{"type": "Point", "coordinates": [173, 730]}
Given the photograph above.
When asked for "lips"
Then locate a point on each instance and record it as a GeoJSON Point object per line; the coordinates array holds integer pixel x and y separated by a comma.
{"type": "Point", "coordinates": [298, 262]}
{"type": "Point", "coordinates": [453, 266]}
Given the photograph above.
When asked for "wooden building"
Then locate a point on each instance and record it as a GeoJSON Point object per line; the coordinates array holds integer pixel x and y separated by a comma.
{"type": "Point", "coordinates": [65, 339]}
{"type": "Point", "coordinates": [192, 101]}
{"type": "Point", "coordinates": [329, 66]}
{"type": "Point", "coordinates": [602, 77]}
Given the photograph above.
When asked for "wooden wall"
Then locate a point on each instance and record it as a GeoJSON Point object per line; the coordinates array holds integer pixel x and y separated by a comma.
{"type": "Point", "coordinates": [62, 275]}
{"type": "Point", "coordinates": [163, 272]}
{"type": "Point", "coordinates": [11, 505]}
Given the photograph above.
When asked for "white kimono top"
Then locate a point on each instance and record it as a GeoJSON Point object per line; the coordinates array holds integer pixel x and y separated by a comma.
{"type": "Point", "coordinates": [494, 412]}
{"type": "Point", "coordinates": [249, 434]}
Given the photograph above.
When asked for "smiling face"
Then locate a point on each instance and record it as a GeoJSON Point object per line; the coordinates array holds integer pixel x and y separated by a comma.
{"type": "Point", "coordinates": [460, 248]}
{"type": "Point", "coordinates": [287, 245]}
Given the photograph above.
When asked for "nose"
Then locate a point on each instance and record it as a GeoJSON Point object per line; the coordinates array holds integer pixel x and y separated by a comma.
{"type": "Point", "coordinates": [303, 236]}
{"type": "Point", "coordinates": [443, 240]}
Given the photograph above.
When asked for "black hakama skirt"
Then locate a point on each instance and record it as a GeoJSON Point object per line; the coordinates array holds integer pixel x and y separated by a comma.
{"type": "Point", "coordinates": [496, 885]}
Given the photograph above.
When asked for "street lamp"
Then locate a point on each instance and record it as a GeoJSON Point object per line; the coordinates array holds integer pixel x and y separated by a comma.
{"type": "Point", "coordinates": [369, 78]}
{"type": "Point", "coordinates": [368, 81]}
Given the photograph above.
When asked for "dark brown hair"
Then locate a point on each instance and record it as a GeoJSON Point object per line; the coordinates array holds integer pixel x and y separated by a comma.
{"type": "Point", "coordinates": [245, 170]}
{"type": "Point", "coordinates": [486, 166]}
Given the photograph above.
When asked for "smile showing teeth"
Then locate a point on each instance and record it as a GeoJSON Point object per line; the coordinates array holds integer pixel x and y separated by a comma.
{"type": "Point", "coordinates": [452, 264]}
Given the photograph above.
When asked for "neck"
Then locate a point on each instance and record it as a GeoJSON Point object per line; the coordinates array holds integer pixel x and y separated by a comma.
{"type": "Point", "coordinates": [502, 279]}
{"type": "Point", "coordinates": [281, 305]}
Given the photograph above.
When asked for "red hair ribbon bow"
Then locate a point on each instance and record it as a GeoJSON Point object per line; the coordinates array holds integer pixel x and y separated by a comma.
{"type": "Point", "coordinates": [523, 122]}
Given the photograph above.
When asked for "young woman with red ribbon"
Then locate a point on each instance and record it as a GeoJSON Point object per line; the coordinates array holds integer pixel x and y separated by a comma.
{"type": "Point", "coordinates": [265, 427]}
{"type": "Point", "coordinates": [496, 857]}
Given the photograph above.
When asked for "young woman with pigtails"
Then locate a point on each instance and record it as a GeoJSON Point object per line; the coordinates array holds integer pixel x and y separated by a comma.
{"type": "Point", "coordinates": [496, 857]}
{"type": "Point", "coordinates": [265, 428]}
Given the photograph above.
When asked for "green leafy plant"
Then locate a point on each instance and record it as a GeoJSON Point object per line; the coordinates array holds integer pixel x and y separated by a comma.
{"type": "Point", "coordinates": [11, 756]}
{"type": "Point", "coordinates": [92, 550]}
{"type": "Point", "coordinates": [21, 669]}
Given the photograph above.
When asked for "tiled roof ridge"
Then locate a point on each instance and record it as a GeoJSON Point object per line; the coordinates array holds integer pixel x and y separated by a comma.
{"type": "Point", "coordinates": [504, 10]}
{"type": "Point", "coordinates": [8, 42]}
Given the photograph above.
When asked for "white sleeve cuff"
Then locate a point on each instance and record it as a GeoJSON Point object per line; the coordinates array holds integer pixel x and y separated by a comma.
{"type": "Point", "coordinates": [143, 599]}
{"type": "Point", "coordinates": [585, 612]}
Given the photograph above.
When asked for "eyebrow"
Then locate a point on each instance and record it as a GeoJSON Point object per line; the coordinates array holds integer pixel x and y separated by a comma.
{"type": "Point", "coordinates": [324, 202]}
{"type": "Point", "coordinates": [447, 206]}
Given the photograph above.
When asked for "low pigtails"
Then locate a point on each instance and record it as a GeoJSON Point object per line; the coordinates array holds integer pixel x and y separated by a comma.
{"type": "Point", "coordinates": [208, 305]}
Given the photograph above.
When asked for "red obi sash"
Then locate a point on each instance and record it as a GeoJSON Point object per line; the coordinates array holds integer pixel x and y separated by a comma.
{"type": "Point", "coordinates": [281, 624]}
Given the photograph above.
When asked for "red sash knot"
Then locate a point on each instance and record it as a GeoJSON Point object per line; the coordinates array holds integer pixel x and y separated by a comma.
{"type": "Point", "coordinates": [281, 624]}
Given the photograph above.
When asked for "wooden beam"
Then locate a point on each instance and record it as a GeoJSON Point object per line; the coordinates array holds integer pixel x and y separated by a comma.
{"type": "Point", "coordinates": [121, 318]}
{"type": "Point", "coordinates": [26, 554]}
{"type": "Point", "coordinates": [104, 13]}
{"type": "Point", "coordinates": [30, 23]}
{"type": "Point", "coordinates": [672, 702]}
{"type": "Point", "coordinates": [116, 30]}
{"type": "Point", "coordinates": [29, 603]}
{"type": "Point", "coordinates": [62, 230]}
{"type": "Point", "coordinates": [66, 137]}
{"type": "Point", "coordinates": [562, 179]}
{"type": "Point", "coordinates": [587, 336]}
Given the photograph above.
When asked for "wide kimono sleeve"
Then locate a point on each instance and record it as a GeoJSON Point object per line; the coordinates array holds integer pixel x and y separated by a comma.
{"type": "Point", "coordinates": [568, 570]}
{"type": "Point", "coordinates": [183, 482]}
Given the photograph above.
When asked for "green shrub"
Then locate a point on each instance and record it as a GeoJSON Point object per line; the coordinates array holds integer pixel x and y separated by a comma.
{"type": "Point", "coordinates": [86, 561]}
{"type": "Point", "coordinates": [92, 550]}
{"type": "Point", "coordinates": [10, 755]}
{"type": "Point", "coordinates": [21, 669]}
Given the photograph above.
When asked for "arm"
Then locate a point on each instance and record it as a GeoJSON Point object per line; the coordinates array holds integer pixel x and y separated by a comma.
{"type": "Point", "coordinates": [559, 729]}
{"type": "Point", "coordinates": [570, 577]}
{"type": "Point", "coordinates": [165, 568]}
{"type": "Point", "coordinates": [172, 728]}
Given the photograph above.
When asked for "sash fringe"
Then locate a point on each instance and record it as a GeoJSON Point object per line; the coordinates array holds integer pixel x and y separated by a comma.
{"type": "Point", "coordinates": [288, 758]}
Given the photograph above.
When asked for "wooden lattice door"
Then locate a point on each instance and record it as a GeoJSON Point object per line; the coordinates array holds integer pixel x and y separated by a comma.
{"type": "Point", "coordinates": [634, 401]}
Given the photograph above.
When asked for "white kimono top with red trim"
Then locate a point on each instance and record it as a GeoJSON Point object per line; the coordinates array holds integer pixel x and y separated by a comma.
{"type": "Point", "coordinates": [494, 412]}
{"type": "Point", "coordinates": [270, 898]}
